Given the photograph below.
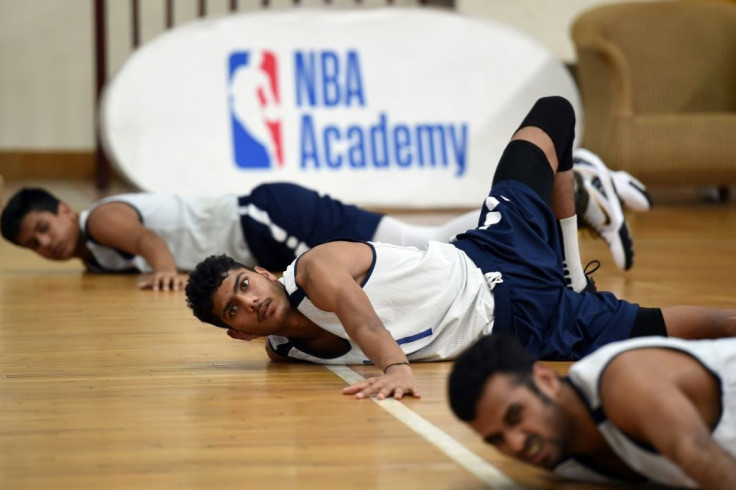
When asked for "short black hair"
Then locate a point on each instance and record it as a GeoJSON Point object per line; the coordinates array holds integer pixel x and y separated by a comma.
{"type": "Point", "coordinates": [203, 281]}
{"type": "Point", "coordinates": [23, 202]}
{"type": "Point", "coordinates": [492, 354]}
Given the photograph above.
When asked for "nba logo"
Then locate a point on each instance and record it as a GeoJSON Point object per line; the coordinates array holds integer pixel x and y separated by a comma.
{"type": "Point", "coordinates": [253, 92]}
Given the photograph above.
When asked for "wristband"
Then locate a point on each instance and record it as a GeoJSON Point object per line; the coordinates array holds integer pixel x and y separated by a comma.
{"type": "Point", "coordinates": [394, 364]}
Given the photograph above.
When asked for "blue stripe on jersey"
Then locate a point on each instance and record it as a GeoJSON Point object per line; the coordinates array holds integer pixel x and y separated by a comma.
{"type": "Point", "coordinates": [412, 338]}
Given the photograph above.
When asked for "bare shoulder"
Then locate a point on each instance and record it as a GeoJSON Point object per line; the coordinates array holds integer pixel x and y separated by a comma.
{"type": "Point", "coordinates": [648, 377]}
{"type": "Point", "coordinates": [353, 257]}
{"type": "Point", "coordinates": [114, 209]}
{"type": "Point", "coordinates": [333, 270]}
{"type": "Point", "coordinates": [652, 362]}
{"type": "Point", "coordinates": [340, 248]}
{"type": "Point", "coordinates": [114, 224]}
{"type": "Point", "coordinates": [664, 397]}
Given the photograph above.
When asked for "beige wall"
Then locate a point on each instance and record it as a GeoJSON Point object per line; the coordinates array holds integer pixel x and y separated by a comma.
{"type": "Point", "coordinates": [46, 55]}
{"type": "Point", "coordinates": [46, 82]}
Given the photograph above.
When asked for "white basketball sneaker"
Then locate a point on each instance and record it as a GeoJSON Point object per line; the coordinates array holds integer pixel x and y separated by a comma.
{"type": "Point", "coordinates": [632, 192]}
{"type": "Point", "coordinates": [599, 206]}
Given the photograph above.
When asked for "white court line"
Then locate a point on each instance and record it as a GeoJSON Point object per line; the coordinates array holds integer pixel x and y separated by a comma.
{"type": "Point", "coordinates": [476, 465]}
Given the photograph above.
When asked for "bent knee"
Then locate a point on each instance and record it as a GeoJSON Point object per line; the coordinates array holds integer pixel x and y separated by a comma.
{"type": "Point", "coordinates": [539, 138]}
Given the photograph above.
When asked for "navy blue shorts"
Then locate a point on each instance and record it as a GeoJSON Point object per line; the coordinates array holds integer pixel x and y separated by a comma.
{"type": "Point", "coordinates": [287, 218]}
{"type": "Point", "coordinates": [533, 303]}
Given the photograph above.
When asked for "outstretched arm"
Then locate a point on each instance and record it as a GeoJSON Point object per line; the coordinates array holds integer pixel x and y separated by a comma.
{"type": "Point", "coordinates": [670, 401]}
{"type": "Point", "coordinates": [330, 274]}
{"type": "Point", "coordinates": [117, 225]}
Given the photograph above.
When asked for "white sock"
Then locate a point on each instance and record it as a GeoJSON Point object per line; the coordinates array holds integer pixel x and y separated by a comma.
{"type": "Point", "coordinates": [574, 273]}
{"type": "Point", "coordinates": [460, 224]}
{"type": "Point", "coordinates": [392, 230]}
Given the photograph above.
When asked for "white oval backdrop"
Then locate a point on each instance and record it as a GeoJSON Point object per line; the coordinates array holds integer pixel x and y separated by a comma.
{"type": "Point", "coordinates": [384, 107]}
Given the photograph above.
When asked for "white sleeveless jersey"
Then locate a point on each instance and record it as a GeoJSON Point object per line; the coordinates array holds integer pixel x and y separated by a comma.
{"type": "Point", "coordinates": [434, 302]}
{"type": "Point", "coordinates": [193, 228]}
{"type": "Point", "coordinates": [717, 356]}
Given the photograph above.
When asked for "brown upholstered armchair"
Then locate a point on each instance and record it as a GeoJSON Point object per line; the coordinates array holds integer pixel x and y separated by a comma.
{"type": "Point", "coordinates": [658, 86]}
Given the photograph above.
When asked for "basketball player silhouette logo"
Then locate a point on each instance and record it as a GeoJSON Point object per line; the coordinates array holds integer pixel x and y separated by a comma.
{"type": "Point", "coordinates": [254, 103]}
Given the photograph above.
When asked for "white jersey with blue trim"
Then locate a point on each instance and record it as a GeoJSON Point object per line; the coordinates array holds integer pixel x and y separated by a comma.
{"type": "Point", "coordinates": [193, 228]}
{"type": "Point", "coordinates": [717, 356]}
{"type": "Point", "coordinates": [435, 302]}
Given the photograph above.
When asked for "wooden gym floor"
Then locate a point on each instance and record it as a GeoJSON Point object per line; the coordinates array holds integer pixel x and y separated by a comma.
{"type": "Point", "coordinates": [105, 386]}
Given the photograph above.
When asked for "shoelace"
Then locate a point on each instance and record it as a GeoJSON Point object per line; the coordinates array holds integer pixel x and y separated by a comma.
{"type": "Point", "coordinates": [591, 267]}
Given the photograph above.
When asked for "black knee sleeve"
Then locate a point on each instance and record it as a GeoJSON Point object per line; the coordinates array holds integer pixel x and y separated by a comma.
{"type": "Point", "coordinates": [526, 163]}
{"type": "Point", "coordinates": [556, 117]}
{"type": "Point", "coordinates": [648, 322]}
